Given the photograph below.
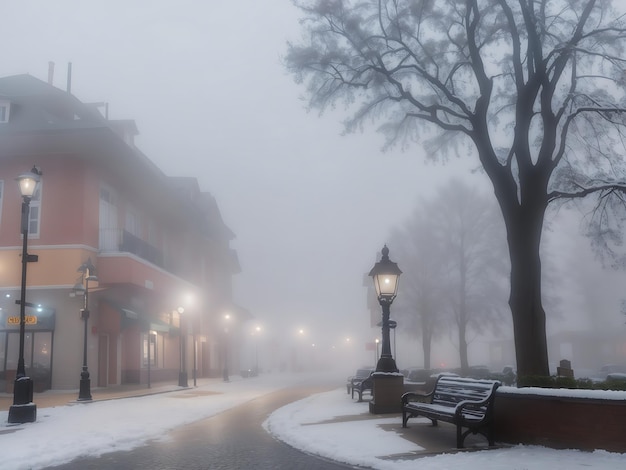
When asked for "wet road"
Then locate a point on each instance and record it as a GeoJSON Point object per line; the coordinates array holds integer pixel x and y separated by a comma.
{"type": "Point", "coordinates": [234, 439]}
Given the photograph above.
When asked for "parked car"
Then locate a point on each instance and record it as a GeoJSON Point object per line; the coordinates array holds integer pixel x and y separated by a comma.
{"type": "Point", "coordinates": [479, 372]}
{"type": "Point", "coordinates": [419, 375]}
{"type": "Point", "coordinates": [507, 376]}
{"type": "Point", "coordinates": [604, 373]}
{"type": "Point", "coordinates": [612, 369]}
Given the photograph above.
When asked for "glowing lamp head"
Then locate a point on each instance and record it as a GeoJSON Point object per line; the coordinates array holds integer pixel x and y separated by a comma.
{"type": "Point", "coordinates": [385, 274]}
{"type": "Point", "coordinates": [28, 182]}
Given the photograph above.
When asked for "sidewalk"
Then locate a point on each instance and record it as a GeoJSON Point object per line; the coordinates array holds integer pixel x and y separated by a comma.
{"type": "Point", "coordinates": [51, 398]}
{"type": "Point", "coordinates": [327, 423]}
{"type": "Point", "coordinates": [432, 440]}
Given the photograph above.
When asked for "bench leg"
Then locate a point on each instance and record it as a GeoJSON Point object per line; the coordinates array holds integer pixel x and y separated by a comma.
{"type": "Point", "coordinates": [459, 437]}
{"type": "Point", "coordinates": [360, 396]}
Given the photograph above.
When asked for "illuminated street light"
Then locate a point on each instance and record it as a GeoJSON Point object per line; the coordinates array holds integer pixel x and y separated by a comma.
{"type": "Point", "coordinates": [226, 346]}
{"type": "Point", "coordinates": [257, 331]}
{"type": "Point", "coordinates": [23, 409]}
{"type": "Point", "coordinates": [385, 274]}
{"type": "Point", "coordinates": [182, 374]}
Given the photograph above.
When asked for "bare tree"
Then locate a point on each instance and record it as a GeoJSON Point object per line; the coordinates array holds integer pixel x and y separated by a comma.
{"type": "Point", "coordinates": [472, 240]}
{"type": "Point", "coordinates": [453, 252]}
{"type": "Point", "coordinates": [419, 306]}
{"type": "Point", "coordinates": [533, 87]}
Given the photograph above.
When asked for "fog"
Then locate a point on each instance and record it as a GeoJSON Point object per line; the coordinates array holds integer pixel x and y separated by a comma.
{"type": "Point", "coordinates": [310, 208]}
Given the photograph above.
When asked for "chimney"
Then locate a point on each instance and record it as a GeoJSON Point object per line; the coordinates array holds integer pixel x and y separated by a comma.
{"type": "Point", "coordinates": [69, 77]}
{"type": "Point", "coordinates": [50, 72]}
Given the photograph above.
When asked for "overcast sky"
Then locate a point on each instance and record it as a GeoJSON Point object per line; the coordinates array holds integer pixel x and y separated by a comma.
{"type": "Point", "coordinates": [205, 84]}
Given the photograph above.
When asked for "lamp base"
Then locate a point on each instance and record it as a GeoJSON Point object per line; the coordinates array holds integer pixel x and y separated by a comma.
{"type": "Point", "coordinates": [23, 409]}
{"type": "Point", "coordinates": [19, 414]}
{"type": "Point", "coordinates": [84, 391]}
{"type": "Point", "coordinates": [387, 393]}
{"type": "Point", "coordinates": [182, 379]}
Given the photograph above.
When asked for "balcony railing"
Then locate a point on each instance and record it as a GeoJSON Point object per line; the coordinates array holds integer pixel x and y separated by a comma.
{"type": "Point", "coordinates": [113, 240]}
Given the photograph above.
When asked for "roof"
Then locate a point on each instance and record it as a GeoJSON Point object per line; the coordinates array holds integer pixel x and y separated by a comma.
{"type": "Point", "coordinates": [25, 85]}
{"type": "Point", "coordinates": [39, 106]}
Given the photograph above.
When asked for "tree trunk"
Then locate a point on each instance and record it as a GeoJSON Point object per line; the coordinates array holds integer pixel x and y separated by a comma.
{"type": "Point", "coordinates": [426, 343]}
{"type": "Point", "coordinates": [529, 319]}
{"type": "Point", "coordinates": [462, 320]}
{"type": "Point", "coordinates": [463, 349]}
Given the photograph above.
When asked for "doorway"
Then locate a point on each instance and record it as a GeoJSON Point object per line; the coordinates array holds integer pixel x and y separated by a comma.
{"type": "Point", "coordinates": [103, 361]}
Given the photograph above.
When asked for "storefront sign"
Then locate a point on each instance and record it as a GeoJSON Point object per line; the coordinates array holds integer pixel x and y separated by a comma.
{"type": "Point", "coordinates": [34, 320]}
{"type": "Point", "coordinates": [28, 320]}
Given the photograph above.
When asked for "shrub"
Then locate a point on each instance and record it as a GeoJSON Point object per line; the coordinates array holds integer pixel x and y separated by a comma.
{"type": "Point", "coordinates": [571, 383]}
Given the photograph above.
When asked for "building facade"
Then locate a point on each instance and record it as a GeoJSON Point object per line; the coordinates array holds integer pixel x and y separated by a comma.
{"type": "Point", "coordinates": [161, 251]}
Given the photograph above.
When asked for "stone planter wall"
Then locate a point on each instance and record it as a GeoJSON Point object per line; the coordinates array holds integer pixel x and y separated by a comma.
{"type": "Point", "coordinates": [573, 422]}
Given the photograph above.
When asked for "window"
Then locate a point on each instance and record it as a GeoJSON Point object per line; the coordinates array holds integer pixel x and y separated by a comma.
{"type": "Point", "coordinates": [149, 349]}
{"type": "Point", "coordinates": [133, 222]}
{"type": "Point", "coordinates": [4, 111]}
{"type": "Point", "coordinates": [34, 217]}
{"type": "Point", "coordinates": [109, 235]}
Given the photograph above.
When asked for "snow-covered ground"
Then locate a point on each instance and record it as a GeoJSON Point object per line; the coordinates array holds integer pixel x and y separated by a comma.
{"type": "Point", "coordinates": [63, 433]}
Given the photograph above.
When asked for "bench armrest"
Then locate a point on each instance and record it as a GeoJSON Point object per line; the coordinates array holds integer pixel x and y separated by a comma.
{"type": "Point", "coordinates": [415, 396]}
{"type": "Point", "coordinates": [473, 403]}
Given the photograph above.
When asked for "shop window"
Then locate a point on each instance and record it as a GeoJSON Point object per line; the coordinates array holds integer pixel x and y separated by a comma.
{"type": "Point", "coordinates": [150, 349]}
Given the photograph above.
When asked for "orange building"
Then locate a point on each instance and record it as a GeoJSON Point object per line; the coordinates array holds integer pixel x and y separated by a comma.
{"type": "Point", "coordinates": [160, 248]}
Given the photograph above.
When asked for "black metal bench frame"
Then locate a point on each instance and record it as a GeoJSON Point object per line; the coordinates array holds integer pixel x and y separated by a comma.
{"type": "Point", "coordinates": [466, 403]}
{"type": "Point", "coordinates": [360, 385]}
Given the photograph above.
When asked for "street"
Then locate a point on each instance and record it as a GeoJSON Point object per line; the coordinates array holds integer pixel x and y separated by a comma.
{"type": "Point", "coordinates": [234, 439]}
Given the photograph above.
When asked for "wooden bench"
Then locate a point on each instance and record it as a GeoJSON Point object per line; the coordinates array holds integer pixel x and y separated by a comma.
{"type": "Point", "coordinates": [467, 403]}
{"type": "Point", "coordinates": [361, 382]}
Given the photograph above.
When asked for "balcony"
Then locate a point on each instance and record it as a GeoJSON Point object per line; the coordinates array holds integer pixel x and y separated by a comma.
{"type": "Point", "coordinates": [115, 240]}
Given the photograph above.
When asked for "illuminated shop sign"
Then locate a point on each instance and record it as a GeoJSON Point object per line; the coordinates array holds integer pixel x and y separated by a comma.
{"type": "Point", "coordinates": [28, 319]}
{"type": "Point", "coordinates": [43, 320]}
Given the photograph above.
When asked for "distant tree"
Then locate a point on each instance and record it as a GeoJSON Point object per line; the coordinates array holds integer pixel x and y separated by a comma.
{"type": "Point", "coordinates": [453, 252]}
{"type": "Point", "coordinates": [418, 306]}
{"type": "Point", "coordinates": [472, 240]}
{"type": "Point", "coordinates": [533, 87]}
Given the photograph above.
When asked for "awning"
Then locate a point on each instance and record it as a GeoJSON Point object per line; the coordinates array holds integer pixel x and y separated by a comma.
{"type": "Point", "coordinates": [146, 322]}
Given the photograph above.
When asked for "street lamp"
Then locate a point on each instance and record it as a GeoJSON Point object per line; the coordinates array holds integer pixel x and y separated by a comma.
{"type": "Point", "coordinates": [226, 345]}
{"type": "Point", "coordinates": [88, 273]}
{"type": "Point", "coordinates": [257, 331]}
{"type": "Point", "coordinates": [393, 324]}
{"type": "Point", "coordinates": [182, 375]}
{"type": "Point", "coordinates": [385, 274]}
{"type": "Point", "coordinates": [23, 409]}
{"type": "Point", "coordinates": [376, 353]}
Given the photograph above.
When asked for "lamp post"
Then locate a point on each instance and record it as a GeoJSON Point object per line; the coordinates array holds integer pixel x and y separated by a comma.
{"type": "Point", "coordinates": [88, 273]}
{"type": "Point", "coordinates": [393, 324]}
{"type": "Point", "coordinates": [182, 375]}
{"type": "Point", "coordinates": [376, 351]}
{"type": "Point", "coordinates": [225, 370]}
{"type": "Point", "coordinates": [23, 409]}
{"type": "Point", "coordinates": [195, 357]}
{"type": "Point", "coordinates": [385, 274]}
